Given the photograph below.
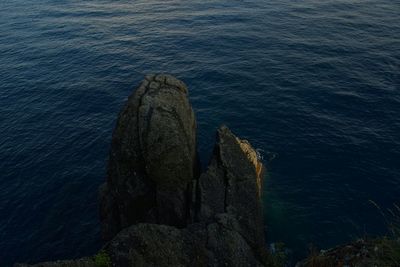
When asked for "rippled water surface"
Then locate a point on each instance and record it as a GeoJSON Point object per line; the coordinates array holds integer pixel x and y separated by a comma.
{"type": "Point", "coordinates": [314, 85]}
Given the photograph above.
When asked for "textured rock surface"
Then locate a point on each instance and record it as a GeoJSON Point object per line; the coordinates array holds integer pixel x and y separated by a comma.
{"type": "Point", "coordinates": [157, 245]}
{"type": "Point", "coordinates": [152, 160]}
{"type": "Point", "coordinates": [232, 184]}
{"type": "Point", "coordinates": [216, 244]}
{"type": "Point", "coordinates": [227, 246]}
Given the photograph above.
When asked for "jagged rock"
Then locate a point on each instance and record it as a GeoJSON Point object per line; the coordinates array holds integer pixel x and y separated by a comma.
{"type": "Point", "coordinates": [152, 160]}
{"type": "Point", "coordinates": [233, 184]}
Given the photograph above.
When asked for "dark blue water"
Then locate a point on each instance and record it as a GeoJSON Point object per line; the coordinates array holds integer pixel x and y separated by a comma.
{"type": "Point", "coordinates": [315, 85]}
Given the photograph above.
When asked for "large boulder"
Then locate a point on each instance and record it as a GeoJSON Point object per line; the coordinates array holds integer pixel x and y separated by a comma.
{"type": "Point", "coordinates": [152, 160]}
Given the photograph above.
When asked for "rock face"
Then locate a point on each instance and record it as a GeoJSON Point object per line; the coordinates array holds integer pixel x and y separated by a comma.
{"type": "Point", "coordinates": [232, 185]}
{"type": "Point", "coordinates": [152, 160]}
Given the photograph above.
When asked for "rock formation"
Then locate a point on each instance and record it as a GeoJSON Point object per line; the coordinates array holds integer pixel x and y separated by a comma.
{"type": "Point", "coordinates": [152, 160]}
{"type": "Point", "coordinates": [228, 228]}
{"type": "Point", "coordinates": [232, 184]}
{"type": "Point", "coordinates": [155, 208]}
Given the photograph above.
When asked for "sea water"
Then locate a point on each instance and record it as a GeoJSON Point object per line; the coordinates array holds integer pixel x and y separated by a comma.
{"type": "Point", "coordinates": [314, 85]}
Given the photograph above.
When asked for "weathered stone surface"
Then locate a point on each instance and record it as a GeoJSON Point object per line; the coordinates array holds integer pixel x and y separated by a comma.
{"type": "Point", "coordinates": [226, 246]}
{"type": "Point", "coordinates": [215, 244]}
{"type": "Point", "coordinates": [152, 159]}
{"type": "Point", "coordinates": [157, 245]}
{"type": "Point", "coordinates": [232, 184]}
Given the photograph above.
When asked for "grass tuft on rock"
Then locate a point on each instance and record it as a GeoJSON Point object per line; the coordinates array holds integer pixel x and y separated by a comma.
{"type": "Point", "coordinates": [381, 251]}
{"type": "Point", "coordinates": [102, 259]}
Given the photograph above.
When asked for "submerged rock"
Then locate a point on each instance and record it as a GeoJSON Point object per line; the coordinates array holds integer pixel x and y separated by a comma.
{"type": "Point", "coordinates": [152, 159]}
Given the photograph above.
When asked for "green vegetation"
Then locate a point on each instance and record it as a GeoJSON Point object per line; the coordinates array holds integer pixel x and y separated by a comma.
{"type": "Point", "coordinates": [382, 251]}
{"type": "Point", "coordinates": [102, 259]}
{"type": "Point", "coordinates": [387, 251]}
{"type": "Point", "coordinates": [388, 248]}
{"type": "Point", "coordinates": [374, 252]}
{"type": "Point", "coordinates": [279, 258]}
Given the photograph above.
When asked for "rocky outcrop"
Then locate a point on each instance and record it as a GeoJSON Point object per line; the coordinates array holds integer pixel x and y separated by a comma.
{"type": "Point", "coordinates": [152, 175]}
{"type": "Point", "coordinates": [152, 160]}
{"type": "Point", "coordinates": [228, 228]}
{"type": "Point", "coordinates": [156, 210]}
